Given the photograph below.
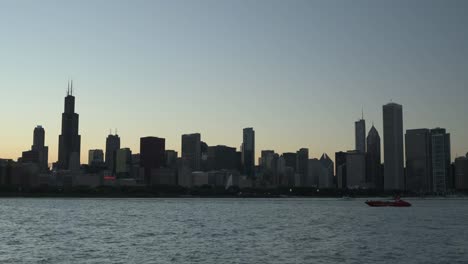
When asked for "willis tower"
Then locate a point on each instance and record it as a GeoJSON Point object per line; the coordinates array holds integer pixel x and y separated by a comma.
{"type": "Point", "coordinates": [69, 140]}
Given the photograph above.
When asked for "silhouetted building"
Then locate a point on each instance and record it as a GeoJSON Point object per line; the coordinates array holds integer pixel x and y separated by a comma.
{"type": "Point", "coordinates": [373, 160]}
{"type": "Point", "coordinates": [38, 153]}
{"type": "Point", "coordinates": [123, 163]}
{"type": "Point", "coordinates": [222, 157]}
{"type": "Point", "coordinates": [393, 146]}
{"type": "Point", "coordinates": [69, 140]}
{"type": "Point", "coordinates": [461, 173]}
{"type": "Point", "coordinates": [418, 160]}
{"type": "Point", "coordinates": [290, 159]}
{"type": "Point", "coordinates": [95, 156]}
{"type": "Point", "coordinates": [340, 169]}
{"type": "Point", "coordinates": [302, 162]}
{"type": "Point", "coordinates": [112, 145]}
{"type": "Point", "coordinates": [248, 152]}
{"type": "Point", "coordinates": [171, 159]}
{"type": "Point", "coordinates": [440, 141]}
{"type": "Point", "coordinates": [152, 155]}
{"type": "Point", "coordinates": [356, 170]}
{"type": "Point", "coordinates": [269, 167]}
{"type": "Point", "coordinates": [360, 135]}
{"type": "Point", "coordinates": [328, 164]}
{"type": "Point", "coordinates": [191, 150]}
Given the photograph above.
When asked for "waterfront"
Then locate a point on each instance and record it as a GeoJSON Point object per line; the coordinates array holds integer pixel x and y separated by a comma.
{"type": "Point", "coordinates": [231, 231]}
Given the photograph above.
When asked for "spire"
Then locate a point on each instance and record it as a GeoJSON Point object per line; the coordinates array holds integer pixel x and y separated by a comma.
{"type": "Point", "coordinates": [71, 87]}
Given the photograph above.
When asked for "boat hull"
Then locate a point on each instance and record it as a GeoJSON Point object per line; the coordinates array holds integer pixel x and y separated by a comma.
{"type": "Point", "coordinates": [399, 203]}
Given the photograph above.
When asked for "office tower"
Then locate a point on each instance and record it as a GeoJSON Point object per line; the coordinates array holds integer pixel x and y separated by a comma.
{"type": "Point", "coordinates": [171, 159]}
{"type": "Point", "coordinates": [191, 150]}
{"type": "Point", "coordinates": [269, 166]}
{"type": "Point", "coordinates": [302, 161]}
{"type": "Point", "coordinates": [393, 146]}
{"type": "Point", "coordinates": [373, 160]}
{"type": "Point", "coordinates": [95, 157]}
{"type": "Point", "coordinates": [328, 164]}
{"type": "Point", "coordinates": [418, 160]}
{"type": "Point", "coordinates": [360, 135]}
{"type": "Point", "coordinates": [152, 152]}
{"type": "Point", "coordinates": [461, 173]}
{"type": "Point", "coordinates": [290, 159]}
{"type": "Point", "coordinates": [123, 163]}
{"type": "Point", "coordinates": [69, 140]}
{"type": "Point", "coordinates": [40, 148]}
{"type": "Point", "coordinates": [222, 157]}
{"type": "Point", "coordinates": [340, 169]}
{"type": "Point", "coordinates": [440, 141]}
{"type": "Point", "coordinates": [112, 145]}
{"type": "Point", "coordinates": [248, 152]}
{"type": "Point", "coordinates": [355, 170]}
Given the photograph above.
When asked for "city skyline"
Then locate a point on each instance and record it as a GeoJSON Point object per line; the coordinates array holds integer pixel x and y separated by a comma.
{"type": "Point", "coordinates": [307, 70]}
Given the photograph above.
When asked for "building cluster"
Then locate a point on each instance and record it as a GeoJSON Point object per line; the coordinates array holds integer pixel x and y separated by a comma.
{"type": "Point", "coordinates": [428, 163]}
{"type": "Point", "coordinates": [429, 168]}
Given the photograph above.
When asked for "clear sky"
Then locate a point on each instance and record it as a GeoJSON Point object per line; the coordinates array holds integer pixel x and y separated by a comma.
{"type": "Point", "coordinates": [299, 72]}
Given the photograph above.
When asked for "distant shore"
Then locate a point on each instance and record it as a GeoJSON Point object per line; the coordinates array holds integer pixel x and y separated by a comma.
{"type": "Point", "coordinates": [209, 192]}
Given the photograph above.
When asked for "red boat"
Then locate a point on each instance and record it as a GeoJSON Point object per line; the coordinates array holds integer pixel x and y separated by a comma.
{"type": "Point", "coordinates": [395, 203]}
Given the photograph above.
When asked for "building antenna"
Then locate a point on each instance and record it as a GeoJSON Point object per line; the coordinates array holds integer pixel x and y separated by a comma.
{"type": "Point", "coordinates": [68, 87]}
{"type": "Point", "coordinates": [71, 87]}
{"type": "Point", "coordinates": [116, 132]}
{"type": "Point", "coordinates": [362, 112]}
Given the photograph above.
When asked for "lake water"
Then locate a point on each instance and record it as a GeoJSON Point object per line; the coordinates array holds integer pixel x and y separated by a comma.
{"type": "Point", "coordinates": [231, 231]}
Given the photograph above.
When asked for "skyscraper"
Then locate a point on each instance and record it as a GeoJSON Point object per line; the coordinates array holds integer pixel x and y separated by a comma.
{"type": "Point", "coordinates": [340, 169]}
{"type": "Point", "coordinates": [191, 150]}
{"type": "Point", "coordinates": [95, 157]}
{"type": "Point", "coordinates": [123, 163]}
{"type": "Point", "coordinates": [39, 146]}
{"type": "Point", "coordinates": [360, 135]}
{"type": "Point", "coordinates": [152, 155]}
{"type": "Point", "coordinates": [302, 162]}
{"type": "Point", "coordinates": [440, 141]}
{"type": "Point", "coordinates": [418, 160]}
{"type": "Point", "coordinates": [112, 145]}
{"type": "Point", "coordinates": [393, 147]}
{"type": "Point", "coordinates": [373, 160]}
{"type": "Point", "coordinates": [248, 152]}
{"type": "Point", "coordinates": [461, 173]}
{"type": "Point", "coordinates": [69, 140]}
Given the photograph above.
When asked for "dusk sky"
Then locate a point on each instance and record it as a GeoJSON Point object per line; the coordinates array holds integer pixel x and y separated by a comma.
{"type": "Point", "coordinates": [298, 72]}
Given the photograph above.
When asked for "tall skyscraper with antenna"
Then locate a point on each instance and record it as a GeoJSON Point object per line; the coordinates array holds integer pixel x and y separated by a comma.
{"type": "Point", "coordinates": [69, 140]}
{"type": "Point", "coordinates": [360, 134]}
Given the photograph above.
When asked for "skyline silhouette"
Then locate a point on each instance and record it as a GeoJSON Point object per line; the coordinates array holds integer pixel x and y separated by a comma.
{"type": "Point", "coordinates": [299, 72]}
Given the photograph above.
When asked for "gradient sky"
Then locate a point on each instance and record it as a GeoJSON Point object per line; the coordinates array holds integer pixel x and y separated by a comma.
{"type": "Point", "coordinates": [299, 72]}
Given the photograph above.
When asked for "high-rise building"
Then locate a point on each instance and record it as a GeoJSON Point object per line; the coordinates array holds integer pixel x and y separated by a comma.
{"type": "Point", "coordinates": [373, 160]}
{"type": "Point", "coordinates": [95, 157]}
{"type": "Point", "coordinates": [290, 160]}
{"type": "Point", "coordinates": [69, 140]}
{"type": "Point", "coordinates": [440, 143]}
{"type": "Point", "coordinates": [123, 163]}
{"type": "Point", "coordinates": [248, 152]}
{"type": "Point", "coordinates": [328, 164]}
{"type": "Point", "coordinates": [222, 157]}
{"type": "Point", "coordinates": [191, 150]}
{"type": "Point", "coordinates": [302, 162]}
{"type": "Point", "coordinates": [171, 159]}
{"type": "Point", "coordinates": [393, 147]}
{"type": "Point", "coordinates": [355, 170]}
{"type": "Point", "coordinates": [112, 145]}
{"type": "Point", "coordinates": [360, 135]}
{"type": "Point", "coordinates": [418, 160]}
{"type": "Point", "coordinates": [340, 169]}
{"type": "Point", "coordinates": [461, 173]}
{"type": "Point", "coordinates": [152, 155]}
{"type": "Point", "coordinates": [39, 146]}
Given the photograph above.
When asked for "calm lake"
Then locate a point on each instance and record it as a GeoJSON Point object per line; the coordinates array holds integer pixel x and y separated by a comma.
{"type": "Point", "coordinates": [231, 231]}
